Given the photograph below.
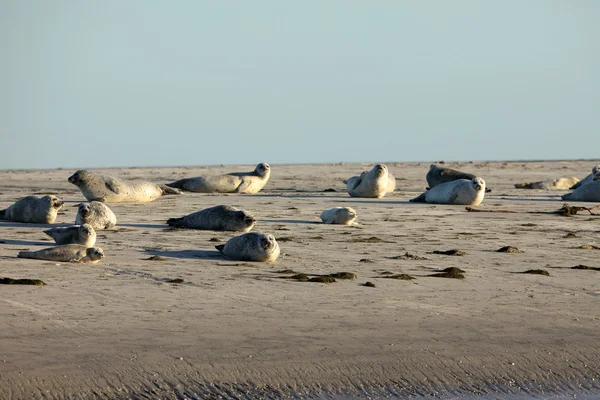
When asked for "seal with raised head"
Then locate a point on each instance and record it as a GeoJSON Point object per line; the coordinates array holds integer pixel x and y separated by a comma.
{"type": "Point", "coordinates": [556, 184]}
{"type": "Point", "coordinates": [587, 179]}
{"type": "Point", "coordinates": [108, 189]}
{"type": "Point", "coordinates": [84, 235]}
{"type": "Point", "coordinates": [251, 246]}
{"type": "Point", "coordinates": [217, 218]}
{"type": "Point", "coordinates": [589, 192]}
{"type": "Point", "coordinates": [391, 185]}
{"type": "Point", "coordinates": [235, 182]}
{"type": "Point", "coordinates": [371, 184]}
{"type": "Point", "coordinates": [462, 191]}
{"type": "Point", "coordinates": [339, 215]}
{"type": "Point", "coordinates": [32, 209]}
{"type": "Point", "coordinates": [66, 253]}
{"type": "Point", "coordinates": [97, 214]}
{"type": "Point", "coordinates": [438, 175]}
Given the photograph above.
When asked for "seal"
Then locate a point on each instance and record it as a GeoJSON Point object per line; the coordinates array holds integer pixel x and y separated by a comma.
{"type": "Point", "coordinates": [556, 184]}
{"type": "Point", "coordinates": [391, 185]}
{"type": "Point", "coordinates": [66, 253]}
{"type": "Point", "coordinates": [96, 214]}
{"type": "Point", "coordinates": [235, 182]}
{"type": "Point", "coordinates": [587, 179]}
{"type": "Point", "coordinates": [339, 215]}
{"type": "Point", "coordinates": [589, 192]}
{"type": "Point", "coordinates": [217, 218]}
{"type": "Point", "coordinates": [438, 175]}
{"type": "Point", "coordinates": [108, 189]}
{"type": "Point", "coordinates": [84, 235]}
{"type": "Point", "coordinates": [371, 184]}
{"type": "Point", "coordinates": [251, 246]}
{"type": "Point", "coordinates": [461, 191]}
{"type": "Point", "coordinates": [33, 209]}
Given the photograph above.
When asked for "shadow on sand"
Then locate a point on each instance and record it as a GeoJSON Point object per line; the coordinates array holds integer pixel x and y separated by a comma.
{"type": "Point", "coordinates": [190, 254]}
{"type": "Point", "coordinates": [26, 243]}
{"type": "Point", "coordinates": [12, 224]}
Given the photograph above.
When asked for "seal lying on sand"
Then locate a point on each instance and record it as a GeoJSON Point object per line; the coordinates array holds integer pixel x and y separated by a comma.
{"type": "Point", "coordinates": [32, 209]}
{"type": "Point", "coordinates": [84, 235]}
{"type": "Point", "coordinates": [66, 253]}
{"type": "Point", "coordinates": [251, 246]}
{"type": "Point", "coordinates": [589, 192]}
{"type": "Point", "coordinates": [217, 218]}
{"type": "Point", "coordinates": [371, 184]}
{"type": "Point", "coordinates": [236, 182]}
{"type": "Point", "coordinates": [339, 215]}
{"type": "Point", "coordinates": [462, 191]}
{"type": "Point", "coordinates": [556, 184]}
{"type": "Point", "coordinates": [97, 214]}
{"type": "Point", "coordinates": [391, 185]}
{"type": "Point", "coordinates": [112, 190]}
{"type": "Point", "coordinates": [438, 175]}
{"type": "Point", "coordinates": [587, 179]}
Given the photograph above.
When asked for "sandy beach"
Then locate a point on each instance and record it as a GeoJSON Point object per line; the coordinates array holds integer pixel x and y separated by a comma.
{"type": "Point", "coordinates": [119, 329]}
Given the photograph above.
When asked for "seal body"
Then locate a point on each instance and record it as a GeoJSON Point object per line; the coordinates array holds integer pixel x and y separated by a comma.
{"type": "Point", "coordinates": [556, 184]}
{"type": "Point", "coordinates": [589, 192]}
{"type": "Point", "coordinates": [461, 191]}
{"type": "Point", "coordinates": [112, 190]}
{"type": "Point", "coordinates": [588, 179]}
{"type": "Point", "coordinates": [84, 235]}
{"type": "Point", "coordinates": [217, 218]}
{"type": "Point", "coordinates": [66, 253]}
{"type": "Point", "coordinates": [339, 215]}
{"type": "Point", "coordinates": [96, 214]}
{"type": "Point", "coordinates": [370, 184]}
{"type": "Point", "coordinates": [237, 182]}
{"type": "Point", "coordinates": [32, 209]}
{"type": "Point", "coordinates": [438, 175]}
{"type": "Point", "coordinates": [251, 246]}
{"type": "Point", "coordinates": [391, 185]}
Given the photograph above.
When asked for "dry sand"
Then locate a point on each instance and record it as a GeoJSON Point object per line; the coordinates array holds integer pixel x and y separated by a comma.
{"type": "Point", "coordinates": [117, 329]}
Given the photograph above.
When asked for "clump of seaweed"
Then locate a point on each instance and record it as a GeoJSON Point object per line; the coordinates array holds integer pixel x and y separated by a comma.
{"type": "Point", "coordinates": [342, 275]}
{"type": "Point", "coordinates": [322, 279]}
{"type": "Point", "coordinates": [453, 252]}
{"type": "Point", "coordinates": [407, 256]}
{"type": "Point", "coordinates": [366, 260]}
{"type": "Point", "coordinates": [536, 272]}
{"type": "Point", "coordinates": [372, 239]}
{"type": "Point", "coordinates": [175, 280]}
{"type": "Point", "coordinates": [589, 247]}
{"type": "Point", "coordinates": [156, 258]}
{"type": "Point", "coordinates": [569, 211]}
{"type": "Point", "coordinates": [11, 281]}
{"type": "Point", "coordinates": [285, 239]}
{"type": "Point", "coordinates": [585, 267]}
{"type": "Point", "coordinates": [450, 272]}
{"type": "Point", "coordinates": [509, 249]}
{"type": "Point", "coordinates": [368, 284]}
{"type": "Point", "coordinates": [400, 277]}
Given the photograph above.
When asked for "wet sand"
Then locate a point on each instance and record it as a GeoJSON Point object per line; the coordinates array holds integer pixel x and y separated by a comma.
{"type": "Point", "coordinates": [118, 329]}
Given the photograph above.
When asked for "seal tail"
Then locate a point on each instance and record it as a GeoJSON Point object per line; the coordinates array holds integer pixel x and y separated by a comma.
{"type": "Point", "coordinates": [566, 196]}
{"type": "Point", "coordinates": [166, 189]}
{"type": "Point", "coordinates": [419, 199]}
{"type": "Point", "coordinates": [48, 232]}
{"type": "Point", "coordinates": [177, 184]}
{"type": "Point", "coordinates": [575, 186]}
{"type": "Point", "coordinates": [176, 222]}
{"type": "Point", "coordinates": [220, 247]}
{"type": "Point", "coordinates": [3, 213]}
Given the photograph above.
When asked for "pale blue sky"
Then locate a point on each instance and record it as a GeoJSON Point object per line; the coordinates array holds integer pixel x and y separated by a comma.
{"type": "Point", "coordinates": [139, 83]}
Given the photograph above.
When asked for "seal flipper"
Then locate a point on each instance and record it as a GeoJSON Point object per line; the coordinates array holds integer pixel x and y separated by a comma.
{"type": "Point", "coordinates": [49, 232]}
{"type": "Point", "coordinates": [26, 254]}
{"type": "Point", "coordinates": [99, 199]}
{"type": "Point", "coordinates": [3, 213]}
{"type": "Point", "coordinates": [166, 189]}
{"type": "Point", "coordinates": [419, 199]}
{"type": "Point", "coordinates": [220, 247]}
{"type": "Point", "coordinates": [113, 185]}
{"type": "Point", "coordinates": [178, 184]}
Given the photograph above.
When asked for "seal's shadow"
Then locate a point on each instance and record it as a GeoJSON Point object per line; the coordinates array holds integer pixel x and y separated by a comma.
{"type": "Point", "coordinates": [27, 243]}
{"type": "Point", "coordinates": [190, 254]}
{"type": "Point", "coordinates": [12, 224]}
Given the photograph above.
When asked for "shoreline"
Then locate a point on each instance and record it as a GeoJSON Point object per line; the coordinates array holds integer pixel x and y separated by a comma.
{"type": "Point", "coordinates": [117, 329]}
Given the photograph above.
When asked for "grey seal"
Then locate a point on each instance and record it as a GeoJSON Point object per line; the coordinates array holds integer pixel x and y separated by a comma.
{"type": "Point", "coordinates": [66, 253]}
{"type": "Point", "coordinates": [33, 209]}
{"type": "Point", "coordinates": [217, 218]}
{"type": "Point", "coordinates": [438, 175]}
{"type": "Point", "coordinates": [251, 246]}
{"type": "Point", "coordinates": [339, 215]}
{"type": "Point", "coordinates": [97, 214]}
{"type": "Point", "coordinates": [84, 235]}
{"type": "Point", "coordinates": [461, 191]}
{"type": "Point", "coordinates": [371, 184]}
{"type": "Point", "coordinates": [235, 182]}
{"type": "Point", "coordinates": [108, 189]}
{"type": "Point", "coordinates": [556, 184]}
{"type": "Point", "coordinates": [589, 192]}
